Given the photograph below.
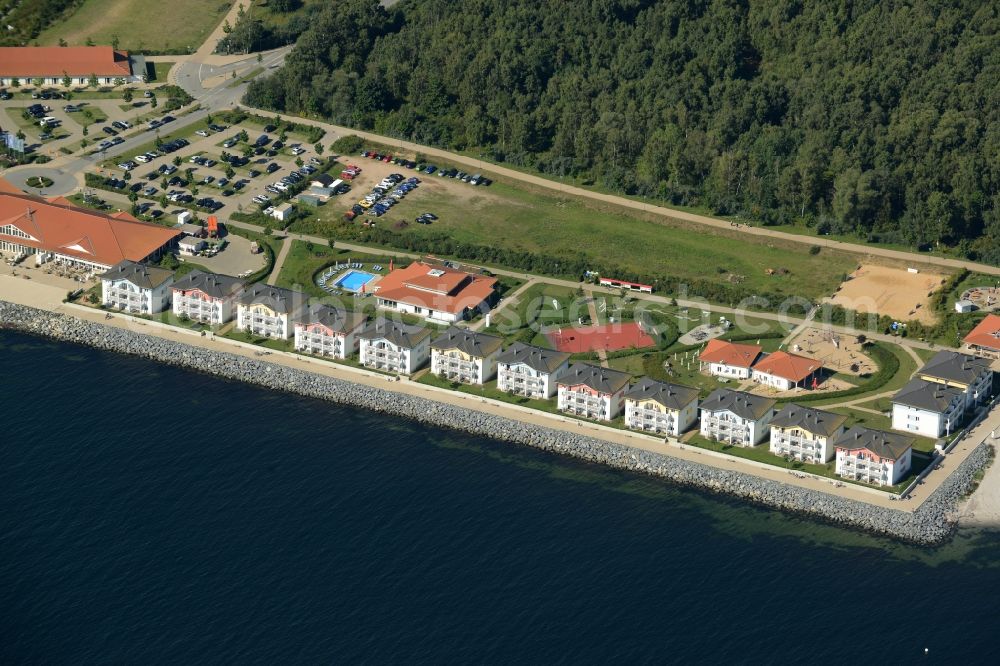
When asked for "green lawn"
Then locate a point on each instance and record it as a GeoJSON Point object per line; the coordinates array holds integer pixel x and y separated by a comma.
{"type": "Point", "coordinates": [88, 116]}
{"type": "Point", "coordinates": [160, 70]}
{"type": "Point", "coordinates": [179, 26]}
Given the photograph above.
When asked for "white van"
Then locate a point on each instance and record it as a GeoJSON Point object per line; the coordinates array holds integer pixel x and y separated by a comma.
{"type": "Point", "coordinates": [48, 120]}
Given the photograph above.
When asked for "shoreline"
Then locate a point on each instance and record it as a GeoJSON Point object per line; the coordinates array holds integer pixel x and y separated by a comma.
{"type": "Point", "coordinates": [933, 522]}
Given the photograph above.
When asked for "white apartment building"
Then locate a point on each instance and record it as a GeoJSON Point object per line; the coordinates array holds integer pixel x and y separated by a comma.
{"type": "Point", "coordinates": [206, 297]}
{"type": "Point", "coordinates": [805, 434]}
{"type": "Point", "coordinates": [328, 331]}
{"type": "Point", "coordinates": [530, 371]}
{"type": "Point", "coordinates": [592, 391]}
{"type": "Point", "coordinates": [661, 408]}
{"type": "Point", "coordinates": [873, 456]}
{"type": "Point", "coordinates": [269, 311]}
{"type": "Point", "coordinates": [928, 409]}
{"type": "Point", "coordinates": [970, 374]}
{"type": "Point", "coordinates": [465, 356]}
{"type": "Point", "coordinates": [394, 347]}
{"type": "Point", "coordinates": [136, 288]}
{"type": "Point", "coordinates": [735, 417]}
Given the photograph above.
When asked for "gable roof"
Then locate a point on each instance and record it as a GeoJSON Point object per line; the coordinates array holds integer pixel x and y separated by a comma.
{"type": "Point", "coordinates": [814, 421]}
{"type": "Point", "coordinates": [930, 396]}
{"type": "Point", "coordinates": [337, 320]}
{"type": "Point", "coordinates": [888, 445]}
{"type": "Point", "coordinates": [729, 353]}
{"type": "Point", "coordinates": [671, 396]}
{"type": "Point", "coordinates": [216, 286]}
{"type": "Point", "coordinates": [743, 405]}
{"type": "Point", "coordinates": [55, 61]}
{"type": "Point", "coordinates": [79, 232]}
{"type": "Point", "coordinates": [792, 367]}
{"type": "Point", "coordinates": [469, 342]}
{"type": "Point", "coordinates": [278, 299]}
{"type": "Point", "coordinates": [986, 334]}
{"type": "Point", "coordinates": [141, 275]}
{"type": "Point", "coordinates": [595, 377]}
{"type": "Point", "coordinates": [399, 334]}
{"type": "Point", "coordinates": [536, 358]}
{"type": "Point", "coordinates": [435, 288]}
{"type": "Point", "coordinates": [954, 367]}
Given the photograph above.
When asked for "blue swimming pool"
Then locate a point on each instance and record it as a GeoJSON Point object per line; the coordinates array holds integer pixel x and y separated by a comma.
{"type": "Point", "coordinates": [353, 280]}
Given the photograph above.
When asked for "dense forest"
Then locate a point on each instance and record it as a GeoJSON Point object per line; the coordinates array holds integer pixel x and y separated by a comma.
{"type": "Point", "coordinates": [267, 25]}
{"type": "Point", "coordinates": [23, 20]}
{"type": "Point", "coordinates": [876, 118]}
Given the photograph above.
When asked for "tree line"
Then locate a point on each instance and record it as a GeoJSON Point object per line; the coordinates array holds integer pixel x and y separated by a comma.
{"type": "Point", "coordinates": [872, 118]}
{"type": "Point", "coordinates": [28, 18]}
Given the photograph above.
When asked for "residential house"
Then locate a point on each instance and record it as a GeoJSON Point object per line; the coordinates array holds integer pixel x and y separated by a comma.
{"type": "Point", "coordinates": [530, 371]}
{"type": "Point", "coordinates": [269, 311]}
{"type": "Point", "coordinates": [437, 293]}
{"type": "Point", "coordinates": [465, 356]}
{"type": "Point", "coordinates": [970, 374]}
{"type": "Point", "coordinates": [736, 417]}
{"type": "Point", "coordinates": [206, 297]}
{"type": "Point", "coordinates": [329, 331]}
{"type": "Point", "coordinates": [137, 288]}
{"type": "Point", "coordinates": [805, 434]}
{"type": "Point", "coordinates": [784, 371]}
{"type": "Point", "coordinates": [394, 347]}
{"type": "Point", "coordinates": [928, 408]}
{"type": "Point", "coordinates": [873, 456]}
{"type": "Point", "coordinates": [592, 391]}
{"type": "Point", "coordinates": [728, 359]}
{"type": "Point", "coordinates": [984, 339]}
{"type": "Point", "coordinates": [661, 408]}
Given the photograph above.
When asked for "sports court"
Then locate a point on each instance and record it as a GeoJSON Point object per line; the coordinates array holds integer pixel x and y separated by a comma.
{"type": "Point", "coordinates": [609, 337]}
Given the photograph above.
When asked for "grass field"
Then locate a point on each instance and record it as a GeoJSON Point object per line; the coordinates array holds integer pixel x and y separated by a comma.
{"type": "Point", "coordinates": [178, 26]}
{"type": "Point", "coordinates": [160, 70]}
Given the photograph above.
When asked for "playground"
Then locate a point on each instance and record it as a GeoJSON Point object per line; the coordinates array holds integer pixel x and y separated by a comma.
{"type": "Point", "coordinates": [986, 299]}
{"type": "Point", "coordinates": [607, 337]}
{"type": "Point", "coordinates": [840, 353]}
{"type": "Point", "coordinates": [903, 294]}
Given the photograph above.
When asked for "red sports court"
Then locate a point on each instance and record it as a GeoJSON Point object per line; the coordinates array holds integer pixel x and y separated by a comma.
{"type": "Point", "coordinates": [609, 337]}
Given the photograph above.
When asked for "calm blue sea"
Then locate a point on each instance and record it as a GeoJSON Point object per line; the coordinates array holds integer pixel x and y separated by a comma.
{"type": "Point", "coordinates": [151, 515]}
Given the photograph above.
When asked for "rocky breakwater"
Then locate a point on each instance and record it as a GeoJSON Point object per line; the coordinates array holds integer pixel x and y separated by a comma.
{"type": "Point", "coordinates": [931, 523]}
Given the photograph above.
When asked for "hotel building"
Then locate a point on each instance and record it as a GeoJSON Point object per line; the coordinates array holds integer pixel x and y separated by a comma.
{"type": "Point", "coordinates": [735, 417]}
{"type": "Point", "coordinates": [328, 331]}
{"type": "Point", "coordinates": [661, 408]}
{"type": "Point", "coordinates": [269, 311]}
{"type": "Point", "coordinates": [873, 456]}
{"type": "Point", "coordinates": [530, 371]}
{"type": "Point", "coordinates": [805, 434]}
{"type": "Point", "coordinates": [465, 356]}
{"type": "Point", "coordinates": [436, 293]}
{"type": "Point", "coordinates": [206, 297]}
{"type": "Point", "coordinates": [394, 347]}
{"type": "Point", "coordinates": [592, 391]}
{"type": "Point", "coordinates": [136, 288]}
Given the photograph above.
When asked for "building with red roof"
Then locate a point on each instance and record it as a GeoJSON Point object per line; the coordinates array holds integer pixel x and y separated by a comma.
{"type": "Point", "coordinates": [728, 359]}
{"type": "Point", "coordinates": [785, 371]}
{"type": "Point", "coordinates": [53, 63]}
{"type": "Point", "coordinates": [435, 292]}
{"type": "Point", "coordinates": [984, 339]}
{"type": "Point", "coordinates": [78, 237]}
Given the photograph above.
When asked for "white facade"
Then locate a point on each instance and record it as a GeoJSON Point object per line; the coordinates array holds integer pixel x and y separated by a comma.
{"type": "Point", "coordinates": [802, 445]}
{"type": "Point", "coordinates": [199, 306]}
{"type": "Point", "coordinates": [524, 380]}
{"type": "Point", "coordinates": [773, 381]}
{"type": "Point", "coordinates": [727, 371]}
{"type": "Point", "coordinates": [322, 341]}
{"type": "Point", "coordinates": [651, 416]}
{"type": "Point", "coordinates": [466, 368]}
{"type": "Point", "coordinates": [863, 465]}
{"type": "Point", "coordinates": [584, 401]}
{"type": "Point", "coordinates": [421, 311]}
{"type": "Point", "coordinates": [926, 422]}
{"type": "Point", "coordinates": [382, 354]}
{"type": "Point", "coordinates": [120, 294]}
{"type": "Point", "coordinates": [725, 426]}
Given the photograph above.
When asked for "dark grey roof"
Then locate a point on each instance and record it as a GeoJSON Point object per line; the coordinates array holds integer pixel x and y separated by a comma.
{"type": "Point", "coordinates": [595, 377]}
{"type": "Point", "coordinates": [141, 275]}
{"type": "Point", "coordinates": [927, 395]}
{"type": "Point", "coordinates": [536, 358]}
{"type": "Point", "coordinates": [336, 319]}
{"type": "Point", "coordinates": [216, 286]}
{"type": "Point", "coordinates": [278, 299]}
{"type": "Point", "coordinates": [744, 405]}
{"type": "Point", "coordinates": [887, 445]}
{"type": "Point", "coordinates": [671, 396]}
{"type": "Point", "coordinates": [324, 178]}
{"type": "Point", "coordinates": [814, 421]}
{"type": "Point", "coordinates": [399, 334]}
{"type": "Point", "coordinates": [954, 366]}
{"type": "Point", "coordinates": [470, 342]}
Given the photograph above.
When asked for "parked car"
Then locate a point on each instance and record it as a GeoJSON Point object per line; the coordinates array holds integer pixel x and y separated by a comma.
{"type": "Point", "coordinates": [109, 131]}
{"type": "Point", "coordinates": [272, 167]}
{"type": "Point", "coordinates": [253, 173]}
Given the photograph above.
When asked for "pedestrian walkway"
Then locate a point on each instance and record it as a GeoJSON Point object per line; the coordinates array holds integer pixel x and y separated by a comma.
{"type": "Point", "coordinates": [279, 261]}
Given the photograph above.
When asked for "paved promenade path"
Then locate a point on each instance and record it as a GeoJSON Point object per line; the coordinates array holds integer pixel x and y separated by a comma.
{"type": "Point", "coordinates": [279, 261]}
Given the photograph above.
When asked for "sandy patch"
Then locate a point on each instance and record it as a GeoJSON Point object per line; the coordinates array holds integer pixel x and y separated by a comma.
{"type": "Point", "coordinates": [890, 291]}
{"type": "Point", "coordinates": [838, 352]}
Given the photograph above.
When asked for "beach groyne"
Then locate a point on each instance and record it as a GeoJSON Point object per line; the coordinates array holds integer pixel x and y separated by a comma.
{"type": "Point", "coordinates": [931, 523]}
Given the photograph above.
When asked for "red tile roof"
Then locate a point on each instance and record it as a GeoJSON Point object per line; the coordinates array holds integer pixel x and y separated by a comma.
{"type": "Point", "coordinates": [78, 232]}
{"type": "Point", "coordinates": [986, 334]}
{"type": "Point", "coordinates": [56, 61]}
{"type": "Point", "coordinates": [792, 367]}
{"type": "Point", "coordinates": [730, 353]}
{"type": "Point", "coordinates": [436, 288]}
